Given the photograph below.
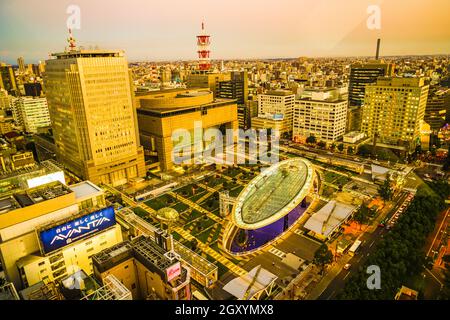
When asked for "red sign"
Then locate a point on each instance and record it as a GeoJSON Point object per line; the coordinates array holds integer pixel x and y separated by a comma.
{"type": "Point", "coordinates": [173, 271]}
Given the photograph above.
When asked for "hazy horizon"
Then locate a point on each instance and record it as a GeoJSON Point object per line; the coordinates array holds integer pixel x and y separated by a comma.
{"type": "Point", "coordinates": [161, 31]}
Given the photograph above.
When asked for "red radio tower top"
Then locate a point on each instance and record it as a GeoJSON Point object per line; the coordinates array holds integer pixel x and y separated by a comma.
{"type": "Point", "coordinates": [203, 42]}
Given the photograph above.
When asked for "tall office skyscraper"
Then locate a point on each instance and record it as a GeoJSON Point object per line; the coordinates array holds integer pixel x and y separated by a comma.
{"type": "Point", "coordinates": [393, 111]}
{"type": "Point", "coordinates": [362, 74]}
{"type": "Point", "coordinates": [94, 119]}
{"type": "Point", "coordinates": [237, 88]}
{"type": "Point", "coordinates": [438, 107]}
{"type": "Point", "coordinates": [31, 113]}
{"type": "Point", "coordinates": [7, 79]}
{"type": "Point", "coordinates": [21, 64]}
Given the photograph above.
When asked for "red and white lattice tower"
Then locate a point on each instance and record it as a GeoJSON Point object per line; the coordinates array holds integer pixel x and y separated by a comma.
{"type": "Point", "coordinates": [204, 63]}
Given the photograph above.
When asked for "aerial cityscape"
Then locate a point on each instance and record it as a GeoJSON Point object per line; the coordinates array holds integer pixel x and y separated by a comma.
{"type": "Point", "coordinates": [192, 151]}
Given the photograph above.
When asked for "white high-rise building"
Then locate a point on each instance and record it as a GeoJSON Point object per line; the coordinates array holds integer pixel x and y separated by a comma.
{"type": "Point", "coordinates": [31, 113]}
{"type": "Point", "coordinates": [275, 111]}
{"type": "Point", "coordinates": [321, 113]}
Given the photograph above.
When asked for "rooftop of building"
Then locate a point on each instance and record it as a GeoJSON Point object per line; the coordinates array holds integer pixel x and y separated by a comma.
{"type": "Point", "coordinates": [33, 196]}
{"type": "Point", "coordinates": [88, 53]}
{"type": "Point", "coordinates": [327, 100]}
{"type": "Point", "coordinates": [403, 82]}
{"type": "Point", "coordinates": [30, 172]}
{"type": "Point", "coordinates": [145, 250]}
{"type": "Point", "coordinates": [273, 193]}
{"type": "Point", "coordinates": [370, 63]}
{"type": "Point", "coordinates": [8, 292]}
{"type": "Point", "coordinates": [406, 293]}
{"type": "Point", "coordinates": [279, 92]}
{"type": "Point", "coordinates": [172, 100]}
{"type": "Point", "coordinates": [78, 286]}
{"type": "Point", "coordinates": [353, 134]}
{"type": "Point", "coordinates": [85, 189]}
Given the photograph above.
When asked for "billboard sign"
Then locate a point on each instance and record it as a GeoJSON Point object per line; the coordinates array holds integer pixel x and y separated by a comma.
{"type": "Point", "coordinates": [173, 271]}
{"type": "Point", "coordinates": [278, 116]}
{"type": "Point", "coordinates": [73, 230]}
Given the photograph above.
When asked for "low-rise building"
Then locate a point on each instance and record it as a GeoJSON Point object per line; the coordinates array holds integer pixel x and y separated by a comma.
{"type": "Point", "coordinates": [163, 113]}
{"type": "Point", "coordinates": [45, 234]}
{"type": "Point", "coordinates": [147, 269]}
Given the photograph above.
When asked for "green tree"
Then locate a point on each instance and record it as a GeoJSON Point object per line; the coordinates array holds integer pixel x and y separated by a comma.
{"type": "Point", "coordinates": [323, 257]}
{"type": "Point", "coordinates": [445, 292]}
{"type": "Point", "coordinates": [321, 144]}
{"type": "Point", "coordinates": [350, 150]}
{"type": "Point", "coordinates": [311, 139]}
{"type": "Point", "coordinates": [193, 244]}
{"type": "Point", "coordinates": [361, 215]}
{"type": "Point", "coordinates": [364, 150]}
{"type": "Point", "coordinates": [340, 147]}
{"type": "Point", "coordinates": [385, 190]}
{"type": "Point", "coordinates": [333, 146]}
{"type": "Point", "coordinates": [446, 166]}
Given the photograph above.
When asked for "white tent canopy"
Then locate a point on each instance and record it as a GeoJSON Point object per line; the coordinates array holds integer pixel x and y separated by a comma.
{"type": "Point", "coordinates": [239, 286]}
{"type": "Point", "coordinates": [329, 218]}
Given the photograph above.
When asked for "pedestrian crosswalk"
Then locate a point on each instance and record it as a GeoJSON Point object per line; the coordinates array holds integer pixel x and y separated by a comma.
{"type": "Point", "coordinates": [277, 252]}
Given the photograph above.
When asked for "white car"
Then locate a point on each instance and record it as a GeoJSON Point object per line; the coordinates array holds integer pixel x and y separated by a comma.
{"type": "Point", "coordinates": [347, 266]}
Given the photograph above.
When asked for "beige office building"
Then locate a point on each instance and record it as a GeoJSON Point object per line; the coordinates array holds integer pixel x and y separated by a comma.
{"type": "Point", "coordinates": [160, 113]}
{"type": "Point", "coordinates": [394, 110]}
{"type": "Point", "coordinates": [275, 111]}
{"type": "Point", "coordinates": [94, 121]}
{"type": "Point", "coordinates": [322, 115]}
{"type": "Point", "coordinates": [207, 80]}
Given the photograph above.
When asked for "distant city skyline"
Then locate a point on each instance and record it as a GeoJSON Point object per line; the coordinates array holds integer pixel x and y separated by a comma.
{"type": "Point", "coordinates": [165, 31]}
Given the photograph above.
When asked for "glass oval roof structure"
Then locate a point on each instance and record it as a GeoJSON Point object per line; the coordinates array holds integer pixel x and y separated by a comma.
{"type": "Point", "coordinates": [273, 193]}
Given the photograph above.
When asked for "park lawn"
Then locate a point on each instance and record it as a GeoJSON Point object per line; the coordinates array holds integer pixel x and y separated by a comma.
{"type": "Point", "coordinates": [232, 172]}
{"type": "Point", "coordinates": [220, 267]}
{"type": "Point", "coordinates": [235, 192]}
{"type": "Point", "coordinates": [213, 181]}
{"type": "Point", "coordinates": [161, 202]}
{"type": "Point", "coordinates": [216, 234]}
{"type": "Point", "coordinates": [140, 212]}
{"type": "Point", "coordinates": [180, 207]}
{"type": "Point", "coordinates": [203, 236]}
{"type": "Point", "coordinates": [176, 236]}
{"type": "Point", "coordinates": [215, 205]}
{"type": "Point", "coordinates": [198, 194]}
{"type": "Point", "coordinates": [328, 191]}
{"type": "Point", "coordinates": [202, 224]}
{"type": "Point", "coordinates": [193, 215]}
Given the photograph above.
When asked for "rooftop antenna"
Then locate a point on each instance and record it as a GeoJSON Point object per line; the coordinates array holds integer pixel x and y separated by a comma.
{"type": "Point", "coordinates": [72, 42]}
{"type": "Point", "coordinates": [378, 49]}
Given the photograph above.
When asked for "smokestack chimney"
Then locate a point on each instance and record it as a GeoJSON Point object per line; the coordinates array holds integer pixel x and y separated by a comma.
{"type": "Point", "coordinates": [378, 49]}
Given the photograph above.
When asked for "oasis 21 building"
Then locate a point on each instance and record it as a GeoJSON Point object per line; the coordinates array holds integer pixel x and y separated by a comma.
{"type": "Point", "coordinates": [270, 205]}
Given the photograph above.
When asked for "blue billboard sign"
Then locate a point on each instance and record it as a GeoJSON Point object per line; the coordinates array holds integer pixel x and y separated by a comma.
{"type": "Point", "coordinates": [76, 229]}
{"type": "Point", "coordinates": [278, 116]}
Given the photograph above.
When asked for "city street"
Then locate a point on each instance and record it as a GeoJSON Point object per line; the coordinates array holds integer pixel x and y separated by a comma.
{"type": "Point", "coordinates": [335, 280]}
